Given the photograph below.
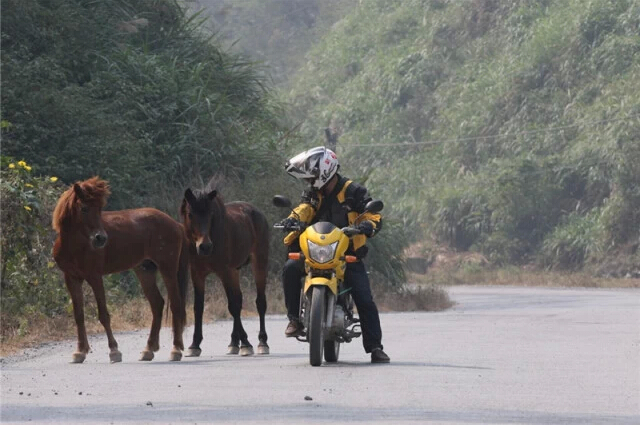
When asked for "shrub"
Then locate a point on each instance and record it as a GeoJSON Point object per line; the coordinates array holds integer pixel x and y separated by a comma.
{"type": "Point", "coordinates": [384, 259]}
{"type": "Point", "coordinates": [502, 249]}
{"type": "Point", "coordinates": [577, 239]}
{"type": "Point", "coordinates": [461, 219]}
{"type": "Point", "coordinates": [30, 282]}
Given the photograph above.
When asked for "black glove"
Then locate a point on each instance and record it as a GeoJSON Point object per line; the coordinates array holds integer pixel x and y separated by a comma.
{"type": "Point", "coordinates": [366, 228]}
{"type": "Point", "coordinates": [289, 222]}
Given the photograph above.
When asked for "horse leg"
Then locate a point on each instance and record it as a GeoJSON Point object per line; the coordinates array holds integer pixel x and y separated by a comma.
{"type": "Point", "coordinates": [74, 286]}
{"type": "Point", "coordinates": [260, 272]}
{"type": "Point", "coordinates": [103, 314]}
{"type": "Point", "coordinates": [176, 304]}
{"type": "Point", "coordinates": [147, 280]}
{"type": "Point", "coordinates": [198, 280]}
{"type": "Point", "coordinates": [239, 342]}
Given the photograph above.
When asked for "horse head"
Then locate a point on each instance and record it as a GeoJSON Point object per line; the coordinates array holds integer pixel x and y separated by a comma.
{"type": "Point", "coordinates": [197, 216]}
{"type": "Point", "coordinates": [80, 209]}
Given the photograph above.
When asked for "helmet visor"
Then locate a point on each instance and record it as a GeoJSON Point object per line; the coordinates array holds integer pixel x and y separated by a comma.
{"type": "Point", "coordinates": [304, 166]}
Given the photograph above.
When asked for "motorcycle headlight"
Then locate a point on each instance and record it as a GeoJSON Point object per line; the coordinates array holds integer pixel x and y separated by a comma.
{"type": "Point", "coordinates": [322, 253]}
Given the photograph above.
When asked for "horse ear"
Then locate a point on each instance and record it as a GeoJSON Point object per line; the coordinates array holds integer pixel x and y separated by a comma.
{"type": "Point", "coordinates": [212, 194]}
{"type": "Point", "coordinates": [189, 196]}
{"type": "Point", "coordinates": [183, 208]}
{"type": "Point", "coordinates": [79, 192]}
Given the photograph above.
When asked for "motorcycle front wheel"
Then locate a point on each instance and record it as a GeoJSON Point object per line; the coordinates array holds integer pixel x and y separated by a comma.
{"type": "Point", "coordinates": [316, 325]}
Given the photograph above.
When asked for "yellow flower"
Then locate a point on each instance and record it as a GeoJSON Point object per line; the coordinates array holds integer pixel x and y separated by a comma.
{"type": "Point", "coordinates": [53, 179]}
{"type": "Point", "coordinates": [27, 207]}
{"type": "Point", "coordinates": [22, 163]}
{"type": "Point", "coordinates": [12, 165]}
{"type": "Point", "coordinates": [26, 167]}
{"type": "Point", "coordinates": [28, 185]}
{"type": "Point", "coordinates": [51, 264]}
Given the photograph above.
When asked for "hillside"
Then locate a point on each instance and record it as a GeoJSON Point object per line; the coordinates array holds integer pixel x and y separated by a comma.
{"type": "Point", "coordinates": [276, 33]}
{"type": "Point", "coordinates": [507, 127]}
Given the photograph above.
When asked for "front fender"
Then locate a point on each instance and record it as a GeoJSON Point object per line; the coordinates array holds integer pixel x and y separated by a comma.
{"type": "Point", "coordinates": [321, 281]}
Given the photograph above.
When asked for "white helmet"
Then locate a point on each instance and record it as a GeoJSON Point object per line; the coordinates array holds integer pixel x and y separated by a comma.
{"type": "Point", "coordinates": [316, 166]}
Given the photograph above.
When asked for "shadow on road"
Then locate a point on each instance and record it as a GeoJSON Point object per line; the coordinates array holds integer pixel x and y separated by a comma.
{"type": "Point", "coordinates": [411, 364]}
{"type": "Point", "coordinates": [150, 412]}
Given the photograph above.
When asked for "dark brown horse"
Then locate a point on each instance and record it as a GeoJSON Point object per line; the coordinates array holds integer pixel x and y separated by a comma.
{"type": "Point", "coordinates": [223, 238]}
{"type": "Point", "coordinates": [92, 243]}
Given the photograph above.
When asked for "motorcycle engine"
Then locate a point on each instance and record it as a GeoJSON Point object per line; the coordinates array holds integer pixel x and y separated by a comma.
{"type": "Point", "coordinates": [338, 317]}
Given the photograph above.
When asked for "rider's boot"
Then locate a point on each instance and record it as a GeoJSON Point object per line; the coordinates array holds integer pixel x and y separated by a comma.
{"type": "Point", "coordinates": [379, 356]}
{"type": "Point", "coordinates": [294, 328]}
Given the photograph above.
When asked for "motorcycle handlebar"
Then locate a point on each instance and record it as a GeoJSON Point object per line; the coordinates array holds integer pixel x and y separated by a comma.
{"type": "Point", "coordinates": [349, 231]}
{"type": "Point", "coordinates": [292, 228]}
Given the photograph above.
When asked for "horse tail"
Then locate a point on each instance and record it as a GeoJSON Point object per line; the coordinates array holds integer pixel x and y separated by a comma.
{"type": "Point", "coordinates": [181, 290]}
{"type": "Point", "coordinates": [261, 248]}
{"type": "Point", "coordinates": [260, 270]}
{"type": "Point", "coordinates": [261, 225]}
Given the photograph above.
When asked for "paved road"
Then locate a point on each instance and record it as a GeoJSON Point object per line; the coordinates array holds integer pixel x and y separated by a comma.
{"type": "Point", "coordinates": [502, 355]}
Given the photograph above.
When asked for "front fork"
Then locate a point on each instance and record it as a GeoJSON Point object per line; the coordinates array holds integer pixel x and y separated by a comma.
{"type": "Point", "coordinates": [305, 301]}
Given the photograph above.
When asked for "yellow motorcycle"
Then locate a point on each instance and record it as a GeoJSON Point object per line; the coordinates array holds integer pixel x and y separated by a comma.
{"type": "Point", "coordinates": [326, 307]}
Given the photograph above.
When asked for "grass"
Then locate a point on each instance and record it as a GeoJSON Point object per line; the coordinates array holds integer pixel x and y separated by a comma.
{"type": "Point", "coordinates": [135, 314]}
{"type": "Point", "coordinates": [425, 298]}
{"type": "Point", "coordinates": [445, 267]}
{"type": "Point", "coordinates": [473, 275]}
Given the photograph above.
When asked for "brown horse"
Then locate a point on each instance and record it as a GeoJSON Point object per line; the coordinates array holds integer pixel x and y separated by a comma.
{"type": "Point", "coordinates": [92, 243]}
{"type": "Point", "coordinates": [223, 238]}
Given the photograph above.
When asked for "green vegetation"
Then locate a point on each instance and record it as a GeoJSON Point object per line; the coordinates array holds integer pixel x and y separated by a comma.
{"type": "Point", "coordinates": [30, 283]}
{"type": "Point", "coordinates": [507, 127]}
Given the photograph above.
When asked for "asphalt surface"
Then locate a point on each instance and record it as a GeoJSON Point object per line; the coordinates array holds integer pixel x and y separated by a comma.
{"type": "Point", "coordinates": [501, 355]}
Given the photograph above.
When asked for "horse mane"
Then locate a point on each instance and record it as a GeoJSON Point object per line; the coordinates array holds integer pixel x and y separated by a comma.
{"type": "Point", "coordinates": [218, 201]}
{"type": "Point", "coordinates": [215, 183]}
{"type": "Point", "coordinates": [95, 192]}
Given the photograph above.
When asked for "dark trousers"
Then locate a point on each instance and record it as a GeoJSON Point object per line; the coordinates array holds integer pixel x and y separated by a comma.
{"type": "Point", "coordinates": [355, 277]}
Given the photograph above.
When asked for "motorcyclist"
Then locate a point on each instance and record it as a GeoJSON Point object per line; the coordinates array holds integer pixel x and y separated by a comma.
{"type": "Point", "coordinates": [336, 199]}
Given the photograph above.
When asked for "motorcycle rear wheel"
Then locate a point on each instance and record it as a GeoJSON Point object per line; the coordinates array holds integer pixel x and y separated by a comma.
{"type": "Point", "coordinates": [316, 325]}
{"type": "Point", "coordinates": [331, 351]}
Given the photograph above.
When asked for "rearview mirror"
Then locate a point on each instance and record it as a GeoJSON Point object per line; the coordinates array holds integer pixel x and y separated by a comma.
{"type": "Point", "coordinates": [281, 201]}
{"type": "Point", "coordinates": [374, 206]}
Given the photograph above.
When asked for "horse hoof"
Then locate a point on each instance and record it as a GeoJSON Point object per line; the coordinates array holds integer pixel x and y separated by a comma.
{"type": "Point", "coordinates": [246, 351]}
{"type": "Point", "coordinates": [146, 356]}
{"type": "Point", "coordinates": [232, 349]}
{"type": "Point", "coordinates": [193, 352]}
{"type": "Point", "coordinates": [115, 356]}
{"type": "Point", "coordinates": [263, 349]}
{"type": "Point", "coordinates": [78, 357]}
{"type": "Point", "coordinates": [175, 356]}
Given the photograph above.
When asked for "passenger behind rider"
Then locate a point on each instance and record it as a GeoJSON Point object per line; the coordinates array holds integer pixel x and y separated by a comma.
{"type": "Point", "coordinates": [336, 199]}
